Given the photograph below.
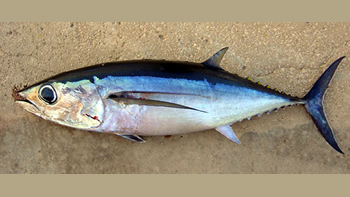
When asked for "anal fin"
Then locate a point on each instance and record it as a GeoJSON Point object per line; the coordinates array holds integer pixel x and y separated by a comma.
{"type": "Point", "coordinates": [227, 131]}
{"type": "Point", "coordinates": [134, 138]}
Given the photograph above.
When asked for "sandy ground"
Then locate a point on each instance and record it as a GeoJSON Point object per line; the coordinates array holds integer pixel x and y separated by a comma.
{"type": "Point", "coordinates": [286, 56]}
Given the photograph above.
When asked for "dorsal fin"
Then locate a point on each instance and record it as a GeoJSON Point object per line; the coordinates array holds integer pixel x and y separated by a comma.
{"type": "Point", "coordinates": [214, 61]}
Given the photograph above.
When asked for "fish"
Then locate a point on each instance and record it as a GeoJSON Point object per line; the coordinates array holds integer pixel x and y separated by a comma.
{"type": "Point", "coordinates": [137, 98]}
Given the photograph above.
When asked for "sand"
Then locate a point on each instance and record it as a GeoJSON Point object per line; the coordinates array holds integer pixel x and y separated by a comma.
{"type": "Point", "coordinates": [286, 56]}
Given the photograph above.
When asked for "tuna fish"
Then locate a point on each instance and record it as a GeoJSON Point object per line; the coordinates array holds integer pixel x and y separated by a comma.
{"type": "Point", "coordinates": [157, 97]}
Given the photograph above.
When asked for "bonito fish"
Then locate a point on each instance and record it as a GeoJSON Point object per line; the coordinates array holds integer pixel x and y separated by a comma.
{"type": "Point", "coordinates": [157, 97]}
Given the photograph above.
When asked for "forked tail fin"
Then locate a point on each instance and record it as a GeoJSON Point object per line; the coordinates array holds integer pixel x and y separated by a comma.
{"type": "Point", "coordinates": [314, 105]}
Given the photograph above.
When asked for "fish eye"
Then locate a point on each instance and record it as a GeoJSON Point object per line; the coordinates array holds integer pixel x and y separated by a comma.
{"type": "Point", "coordinates": [47, 94]}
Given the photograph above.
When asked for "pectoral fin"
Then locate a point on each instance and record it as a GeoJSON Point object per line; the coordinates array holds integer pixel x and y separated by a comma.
{"type": "Point", "coordinates": [227, 131]}
{"type": "Point", "coordinates": [134, 138]}
{"type": "Point", "coordinates": [149, 102]}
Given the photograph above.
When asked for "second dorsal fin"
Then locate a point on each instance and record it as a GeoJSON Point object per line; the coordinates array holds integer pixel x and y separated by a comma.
{"type": "Point", "coordinates": [214, 61]}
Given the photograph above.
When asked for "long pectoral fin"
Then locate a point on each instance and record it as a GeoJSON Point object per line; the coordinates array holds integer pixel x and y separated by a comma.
{"type": "Point", "coordinates": [134, 138]}
{"type": "Point", "coordinates": [149, 102]}
{"type": "Point", "coordinates": [227, 131]}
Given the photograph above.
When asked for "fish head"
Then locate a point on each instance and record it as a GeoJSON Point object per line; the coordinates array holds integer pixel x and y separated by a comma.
{"type": "Point", "coordinates": [74, 104]}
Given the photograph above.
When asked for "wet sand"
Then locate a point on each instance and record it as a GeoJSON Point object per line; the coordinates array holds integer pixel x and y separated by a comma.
{"type": "Point", "coordinates": [286, 56]}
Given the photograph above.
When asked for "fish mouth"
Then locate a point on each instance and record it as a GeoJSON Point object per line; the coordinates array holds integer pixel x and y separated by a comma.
{"type": "Point", "coordinates": [17, 95]}
{"type": "Point", "coordinates": [20, 98]}
{"type": "Point", "coordinates": [29, 106]}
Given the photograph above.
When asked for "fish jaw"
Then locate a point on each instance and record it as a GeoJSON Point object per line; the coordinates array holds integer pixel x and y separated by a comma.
{"type": "Point", "coordinates": [27, 105]}
{"type": "Point", "coordinates": [27, 100]}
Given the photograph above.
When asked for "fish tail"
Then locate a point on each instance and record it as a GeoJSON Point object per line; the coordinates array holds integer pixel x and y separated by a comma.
{"type": "Point", "coordinates": [314, 105]}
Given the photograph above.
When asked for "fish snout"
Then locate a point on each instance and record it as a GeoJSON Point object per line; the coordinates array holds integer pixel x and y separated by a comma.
{"type": "Point", "coordinates": [17, 94]}
{"type": "Point", "coordinates": [20, 98]}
